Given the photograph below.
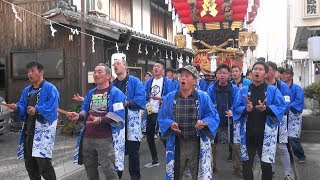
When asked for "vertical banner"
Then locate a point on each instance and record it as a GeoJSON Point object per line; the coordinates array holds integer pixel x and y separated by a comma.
{"type": "Point", "coordinates": [213, 65]}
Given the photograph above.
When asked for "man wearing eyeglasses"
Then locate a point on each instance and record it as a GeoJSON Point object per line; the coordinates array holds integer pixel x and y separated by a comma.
{"type": "Point", "coordinates": [133, 88]}
{"type": "Point", "coordinates": [223, 95]}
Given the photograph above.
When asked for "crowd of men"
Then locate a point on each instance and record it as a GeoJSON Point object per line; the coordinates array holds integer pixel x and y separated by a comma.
{"type": "Point", "coordinates": [256, 116]}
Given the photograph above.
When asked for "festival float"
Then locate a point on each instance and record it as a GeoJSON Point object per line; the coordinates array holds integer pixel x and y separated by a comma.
{"type": "Point", "coordinates": [218, 29]}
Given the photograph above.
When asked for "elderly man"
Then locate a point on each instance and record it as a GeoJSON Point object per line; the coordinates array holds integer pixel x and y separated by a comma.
{"type": "Point", "coordinates": [37, 107]}
{"type": "Point", "coordinates": [133, 88]}
{"type": "Point", "coordinates": [259, 108]}
{"type": "Point", "coordinates": [188, 120]}
{"type": "Point", "coordinates": [101, 142]}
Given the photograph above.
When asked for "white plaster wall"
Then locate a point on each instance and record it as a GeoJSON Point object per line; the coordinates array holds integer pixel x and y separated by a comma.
{"type": "Point", "coordinates": [78, 4]}
{"type": "Point", "coordinates": [298, 15]}
{"type": "Point", "coordinates": [136, 15]}
{"type": "Point", "coordinates": [146, 15]}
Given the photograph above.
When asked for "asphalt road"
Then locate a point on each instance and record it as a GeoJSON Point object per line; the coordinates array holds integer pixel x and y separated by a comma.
{"type": "Point", "coordinates": [13, 169]}
{"type": "Point", "coordinates": [158, 173]}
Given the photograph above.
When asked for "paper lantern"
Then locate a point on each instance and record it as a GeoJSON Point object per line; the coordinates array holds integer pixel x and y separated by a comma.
{"type": "Point", "coordinates": [314, 48]}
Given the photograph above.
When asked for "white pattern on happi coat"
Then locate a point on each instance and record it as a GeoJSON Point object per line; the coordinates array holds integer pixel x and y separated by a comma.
{"type": "Point", "coordinates": [283, 130]}
{"type": "Point", "coordinates": [134, 125]}
{"type": "Point", "coordinates": [294, 124]}
{"type": "Point", "coordinates": [269, 143]}
{"type": "Point", "coordinates": [236, 132]}
{"type": "Point", "coordinates": [43, 141]}
{"type": "Point", "coordinates": [119, 148]}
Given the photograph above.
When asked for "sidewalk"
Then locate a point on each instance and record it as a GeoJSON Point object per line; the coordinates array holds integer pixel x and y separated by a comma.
{"type": "Point", "coordinates": [311, 145]}
{"type": "Point", "coordinates": [307, 171]}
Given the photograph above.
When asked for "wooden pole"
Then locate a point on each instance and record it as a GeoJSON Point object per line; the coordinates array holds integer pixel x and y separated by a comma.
{"type": "Point", "coordinates": [83, 50]}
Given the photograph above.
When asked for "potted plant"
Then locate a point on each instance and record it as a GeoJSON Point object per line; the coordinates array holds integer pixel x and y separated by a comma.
{"type": "Point", "coordinates": [311, 121]}
{"type": "Point", "coordinates": [67, 128]}
{"type": "Point", "coordinates": [313, 92]}
{"type": "Point", "coordinates": [70, 128]}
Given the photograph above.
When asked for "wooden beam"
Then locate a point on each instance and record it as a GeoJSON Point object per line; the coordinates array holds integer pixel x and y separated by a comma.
{"type": "Point", "coordinates": [29, 2]}
{"type": "Point", "coordinates": [204, 26]}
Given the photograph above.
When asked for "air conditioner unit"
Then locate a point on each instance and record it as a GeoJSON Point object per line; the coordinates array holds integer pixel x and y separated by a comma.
{"type": "Point", "coordinates": [99, 7]}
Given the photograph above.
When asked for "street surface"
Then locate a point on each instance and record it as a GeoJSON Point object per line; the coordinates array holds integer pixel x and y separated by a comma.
{"type": "Point", "coordinates": [158, 173]}
{"type": "Point", "coordinates": [311, 145]}
{"type": "Point", "coordinates": [13, 169]}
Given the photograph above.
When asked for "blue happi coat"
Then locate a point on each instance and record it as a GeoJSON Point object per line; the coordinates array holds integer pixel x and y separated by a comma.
{"type": "Point", "coordinates": [203, 84]}
{"type": "Point", "coordinates": [166, 88]}
{"type": "Point", "coordinates": [213, 96]}
{"type": "Point", "coordinates": [46, 124]}
{"type": "Point", "coordinates": [115, 100]}
{"type": "Point", "coordinates": [283, 127]}
{"type": "Point", "coordinates": [275, 101]}
{"type": "Point", "coordinates": [296, 107]}
{"type": "Point", "coordinates": [243, 82]}
{"type": "Point", "coordinates": [135, 92]}
{"type": "Point", "coordinates": [175, 84]}
{"type": "Point", "coordinates": [207, 113]}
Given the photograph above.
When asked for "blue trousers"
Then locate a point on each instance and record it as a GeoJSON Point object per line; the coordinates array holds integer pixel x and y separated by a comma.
{"type": "Point", "coordinates": [296, 147]}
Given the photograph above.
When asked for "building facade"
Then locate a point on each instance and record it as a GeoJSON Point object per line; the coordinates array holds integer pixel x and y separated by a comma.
{"type": "Point", "coordinates": [142, 29]}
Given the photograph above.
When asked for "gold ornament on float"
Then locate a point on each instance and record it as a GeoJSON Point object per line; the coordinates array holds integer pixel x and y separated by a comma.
{"type": "Point", "coordinates": [248, 39]}
{"type": "Point", "coordinates": [180, 41]}
{"type": "Point", "coordinates": [209, 7]}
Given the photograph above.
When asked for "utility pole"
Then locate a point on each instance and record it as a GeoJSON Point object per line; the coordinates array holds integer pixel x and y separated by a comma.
{"type": "Point", "coordinates": [289, 52]}
{"type": "Point", "coordinates": [83, 50]}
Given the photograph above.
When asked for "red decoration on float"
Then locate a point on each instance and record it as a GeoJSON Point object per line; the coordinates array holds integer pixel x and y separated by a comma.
{"type": "Point", "coordinates": [239, 8]}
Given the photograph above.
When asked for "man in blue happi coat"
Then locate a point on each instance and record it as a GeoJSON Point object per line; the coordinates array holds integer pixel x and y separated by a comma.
{"type": "Point", "coordinates": [101, 140]}
{"type": "Point", "coordinates": [170, 73]}
{"type": "Point", "coordinates": [188, 121]}
{"type": "Point", "coordinates": [156, 87]}
{"type": "Point", "coordinates": [282, 130]}
{"type": "Point", "coordinates": [205, 81]}
{"type": "Point", "coordinates": [133, 88]}
{"type": "Point", "coordinates": [223, 95]}
{"type": "Point", "coordinates": [37, 107]}
{"type": "Point", "coordinates": [237, 78]}
{"type": "Point", "coordinates": [295, 117]}
{"type": "Point", "coordinates": [259, 108]}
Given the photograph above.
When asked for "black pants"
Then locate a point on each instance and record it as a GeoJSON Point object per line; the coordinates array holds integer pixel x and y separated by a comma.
{"type": "Point", "coordinates": [254, 144]}
{"type": "Point", "coordinates": [151, 126]}
{"type": "Point", "coordinates": [35, 166]}
{"type": "Point", "coordinates": [134, 159]}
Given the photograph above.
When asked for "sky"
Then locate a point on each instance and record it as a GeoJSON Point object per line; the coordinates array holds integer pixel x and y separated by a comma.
{"type": "Point", "coordinates": [271, 26]}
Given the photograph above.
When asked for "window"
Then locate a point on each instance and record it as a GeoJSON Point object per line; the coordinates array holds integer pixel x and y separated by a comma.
{"type": "Point", "coordinates": [157, 21]}
{"type": "Point", "coordinates": [169, 29]}
{"type": "Point", "coordinates": [121, 11]}
{"type": "Point", "coordinates": [161, 22]}
{"type": "Point", "coordinates": [53, 62]}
